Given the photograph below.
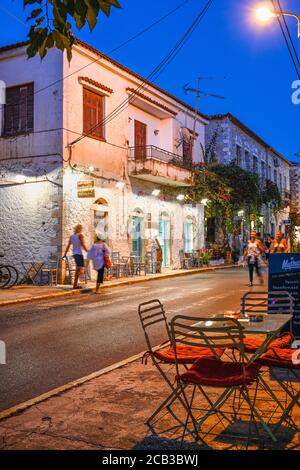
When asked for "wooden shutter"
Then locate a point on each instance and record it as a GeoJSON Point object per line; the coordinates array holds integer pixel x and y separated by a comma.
{"type": "Point", "coordinates": [18, 114]}
{"type": "Point", "coordinates": [140, 140]}
{"type": "Point", "coordinates": [93, 114]}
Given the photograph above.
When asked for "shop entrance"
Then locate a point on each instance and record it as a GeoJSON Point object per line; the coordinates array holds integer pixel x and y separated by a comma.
{"type": "Point", "coordinates": [137, 227]}
{"type": "Point", "coordinates": [101, 218]}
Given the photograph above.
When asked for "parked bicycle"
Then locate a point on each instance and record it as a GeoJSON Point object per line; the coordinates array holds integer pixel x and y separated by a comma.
{"type": "Point", "coordinates": [8, 275]}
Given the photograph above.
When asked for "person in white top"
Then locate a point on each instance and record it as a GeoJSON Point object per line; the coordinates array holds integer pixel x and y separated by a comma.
{"type": "Point", "coordinates": [99, 255]}
{"type": "Point", "coordinates": [77, 242]}
{"type": "Point", "coordinates": [253, 253]}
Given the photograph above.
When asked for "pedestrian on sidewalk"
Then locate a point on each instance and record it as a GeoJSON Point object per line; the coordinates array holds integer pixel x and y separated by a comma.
{"type": "Point", "coordinates": [268, 243]}
{"type": "Point", "coordinates": [253, 253]}
{"type": "Point", "coordinates": [99, 255]}
{"type": "Point", "coordinates": [279, 245]}
{"type": "Point", "coordinates": [78, 245]}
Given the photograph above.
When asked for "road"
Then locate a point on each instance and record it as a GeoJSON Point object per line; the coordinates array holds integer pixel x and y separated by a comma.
{"type": "Point", "coordinates": [52, 342]}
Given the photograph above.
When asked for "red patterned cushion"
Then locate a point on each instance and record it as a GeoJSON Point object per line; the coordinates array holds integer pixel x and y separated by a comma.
{"type": "Point", "coordinates": [220, 374]}
{"type": "Point", "coordinates": [284, 341]}
{"type": "Point", "coordinates": [185, 354]}
{"type": "Point", "coordinates": [285, 358]}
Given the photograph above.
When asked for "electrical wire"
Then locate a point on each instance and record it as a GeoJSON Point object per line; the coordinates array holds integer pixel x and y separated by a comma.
{"type": "Point", "coordinates": [153, 75]}
{"type": "Point", "coordinates": [286, 42]}
{"type": "Point", "coordinates": [137, 35]}
{"type": "Point", "coordinates": [289, 33]}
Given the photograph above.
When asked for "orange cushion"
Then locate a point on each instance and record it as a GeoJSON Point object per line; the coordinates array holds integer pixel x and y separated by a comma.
{"type": "Point", "coordinates": [285, 358]}
{"type": "Point", "coordinates": [185, 354]}
{"type": "Point", "coordinates": [284, 341]}
{"type": "Point", "coordinates": [220, 374]}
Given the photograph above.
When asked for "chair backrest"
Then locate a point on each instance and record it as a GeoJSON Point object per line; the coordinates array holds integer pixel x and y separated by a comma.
{"type": "Point", "coordinates": [262, 303]}
{"type": "Point", "coordinates": [115, 257]}
{"type": "Point", "coordinates": [152, 313]}
{"type": "Point", "coordinates": [213, 333]}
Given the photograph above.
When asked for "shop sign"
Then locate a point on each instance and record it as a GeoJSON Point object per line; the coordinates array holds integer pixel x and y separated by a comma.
{"type": "Point", "coordinates": [85, 189]}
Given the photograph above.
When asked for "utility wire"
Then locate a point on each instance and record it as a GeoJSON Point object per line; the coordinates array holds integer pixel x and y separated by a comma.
{"type": "Point", "coordinates": [154, 74]}
{"type": "Point", "coordinates": [140, 33]}
{"type": "Point", "coordinates": [289, 33]}
{"type": "Point", "coordinates": [287, 42]}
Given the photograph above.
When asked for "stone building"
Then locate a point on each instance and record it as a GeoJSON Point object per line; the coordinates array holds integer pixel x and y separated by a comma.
{"type": "Point", "coordinates": [67, 156]}
{"type": "Point", "coordinates": [236, 142]}
{"type": "Point", "coordinates": [295, 185]}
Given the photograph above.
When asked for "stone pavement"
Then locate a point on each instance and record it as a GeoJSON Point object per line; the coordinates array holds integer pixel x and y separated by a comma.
{"type": "Point", "coordinates": [109, 412]}
{"type": "Point", "coordinates": [28, 293]}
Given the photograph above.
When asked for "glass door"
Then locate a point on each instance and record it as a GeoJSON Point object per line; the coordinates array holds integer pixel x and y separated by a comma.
{"type": "Point", "coordinates": [137, 235]}
{"type": "Point", "coordinates": [188, 237]}
{"type": "Point", "coordinates": [165, 240]}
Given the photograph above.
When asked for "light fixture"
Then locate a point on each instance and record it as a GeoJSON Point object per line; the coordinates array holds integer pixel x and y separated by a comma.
{"type": "Point", "coordinates": [120, 184]}
{"type": "Point", "coordinates": [156, 192]}
{"type": "Point", "coordinates": [91, 168]}
{"type": "Point", "coordinates": [156, 131]}
{"type": "Point", "coordinates": [241, 213]}
{"type": "Point", "coordinates": [208, 323]}
{"type": "Point", "coordinates": [20, 178]}
{"type": "Point", "coordinates": [180, 197]}
{"type": "Point", "coordinates": [204, 201]}
{"type": "Point", "coordinates": [264, 14]}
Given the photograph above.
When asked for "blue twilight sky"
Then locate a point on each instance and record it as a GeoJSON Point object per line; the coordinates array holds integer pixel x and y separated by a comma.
{"type": "Point", "coordinates": [228, 42]}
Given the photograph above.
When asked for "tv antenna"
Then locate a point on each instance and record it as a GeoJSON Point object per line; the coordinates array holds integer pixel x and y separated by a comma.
{"type": "Point", "coordinates": [198, 93]}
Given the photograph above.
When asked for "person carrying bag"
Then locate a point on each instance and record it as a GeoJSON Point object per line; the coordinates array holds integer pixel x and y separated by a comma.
{"type": "Point", "coordinates": [99, 254]}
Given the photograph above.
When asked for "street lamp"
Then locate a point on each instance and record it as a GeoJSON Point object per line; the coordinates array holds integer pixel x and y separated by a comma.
{"type": "Point", "coordinates": [264, 14]}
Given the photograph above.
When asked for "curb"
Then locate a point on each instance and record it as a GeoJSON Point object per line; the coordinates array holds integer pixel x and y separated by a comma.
{"type": "Point", "coordinates": [118, 284]}
{"type": "Point", "coordinates": [70, 385]}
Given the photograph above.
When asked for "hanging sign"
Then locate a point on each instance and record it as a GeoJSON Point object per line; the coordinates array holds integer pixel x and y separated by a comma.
{"type": "Point", "coordinates": [85, 189]}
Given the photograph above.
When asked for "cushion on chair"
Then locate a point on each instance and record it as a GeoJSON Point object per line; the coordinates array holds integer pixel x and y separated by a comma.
{"type": "Point", "coordinates": [220, 374]}
{"type": "Point", "coordinates": [285, 358]}
{"type": "Point", "coordinates": [283, 341]}
{"type": "Point", "coordinates": [186, 354]}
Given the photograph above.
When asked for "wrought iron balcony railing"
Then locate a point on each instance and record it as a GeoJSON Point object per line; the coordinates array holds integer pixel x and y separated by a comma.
{"type": "Point", "coordinates": [150, 152]}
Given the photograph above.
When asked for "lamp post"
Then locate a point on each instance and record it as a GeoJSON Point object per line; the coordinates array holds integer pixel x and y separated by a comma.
{"type": "Point", "coordinates": [264, 14]}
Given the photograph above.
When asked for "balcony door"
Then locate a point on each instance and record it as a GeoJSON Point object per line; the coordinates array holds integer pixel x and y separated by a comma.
{"type": "Point", "coordinates": [140, 140]}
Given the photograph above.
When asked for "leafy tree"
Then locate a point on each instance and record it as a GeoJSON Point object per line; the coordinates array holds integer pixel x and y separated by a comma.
{"type": "Point", "coordinates": [271, 195]}
{"type": "Point", "coordinates": [50, 22]}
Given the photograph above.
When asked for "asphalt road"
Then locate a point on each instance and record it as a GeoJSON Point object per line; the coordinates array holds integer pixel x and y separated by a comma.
{"type": "Point", "coordinates": [52, 342]}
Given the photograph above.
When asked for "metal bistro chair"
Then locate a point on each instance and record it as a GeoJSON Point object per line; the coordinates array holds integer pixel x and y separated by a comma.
{"type": "Point", "coordinates": [186, 262]}
{"type": "Point", "coordinates": [284, 366]}
{"type": "Point", "coordinates": [263, 303]}
{"type": "Point", "coordinates": [152, 316]}
{"type": "Point", "coordinates": [50, 270]}
{"type": "Point", "coordinates": [150, 263]}
{"type": "Point", "coordinates": [233, 377]}
{"type": "Point", "coordinates": [71, 268]}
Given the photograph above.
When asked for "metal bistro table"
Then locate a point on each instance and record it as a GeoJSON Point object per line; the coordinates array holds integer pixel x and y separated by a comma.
{"type": "Point", "coordinates": [270, 326]}
{"type": "Point", "coordinates": [32, 269]}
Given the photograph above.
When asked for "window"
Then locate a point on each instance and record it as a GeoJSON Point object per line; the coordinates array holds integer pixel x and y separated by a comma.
{"type": "Point", "coordinates": [263, 170]}
{"type": "Point", "coordinates": [93, 114]}
{"type": "Point", "coordinates": [255, 164]}
{"type": "Point", "coordinates": [280, 182]}
{"type": "Point", "coordinates": [18, 111]}
{"type": "Point", "coordinates": [270, 173]}
{"type": "Point", "coordinates": [238, 157]}
{"type": "Point", "coordinates": [247, 160]}
{"type": "Point", "coordinates": [275, 176]}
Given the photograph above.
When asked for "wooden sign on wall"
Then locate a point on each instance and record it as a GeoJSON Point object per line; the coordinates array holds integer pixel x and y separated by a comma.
{"type": "Point", "coordinates": [85, 189]}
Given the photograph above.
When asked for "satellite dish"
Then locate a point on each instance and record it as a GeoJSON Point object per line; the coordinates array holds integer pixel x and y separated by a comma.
{"type": "Point", "coordinates": [186, 135]}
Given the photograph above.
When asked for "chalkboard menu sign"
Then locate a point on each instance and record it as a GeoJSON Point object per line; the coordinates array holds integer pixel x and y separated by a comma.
{"type": "Point", "coordinates": [284, 275]}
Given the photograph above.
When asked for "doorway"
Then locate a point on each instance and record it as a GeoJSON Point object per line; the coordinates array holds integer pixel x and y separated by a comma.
{"type": "Point", "coordinates": [188, 235]}
{"type": "Point", "coordinates": [101, 218]}
{"type": "Point", "coordinates": [140, 140]}
{"type": "Point", "coordinates": [165, 238]}
{"type": "Point", "coordinates": [137, 228]}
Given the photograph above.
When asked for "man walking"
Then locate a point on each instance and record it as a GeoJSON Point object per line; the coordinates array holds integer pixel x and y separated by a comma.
{"type": "Point", "coordinates": [77, 242]}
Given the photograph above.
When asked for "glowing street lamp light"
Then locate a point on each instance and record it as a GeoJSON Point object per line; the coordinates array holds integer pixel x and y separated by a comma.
{"type": "Point", "coordinates": [264, 15]}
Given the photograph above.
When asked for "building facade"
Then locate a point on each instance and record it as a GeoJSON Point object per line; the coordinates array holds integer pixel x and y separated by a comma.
{"type": "Point", "coordinates": [235, 142]}
{"type": "Point", "coordinates": [92, 142]}
{"type": "Point", "coordinates": [295, 186]}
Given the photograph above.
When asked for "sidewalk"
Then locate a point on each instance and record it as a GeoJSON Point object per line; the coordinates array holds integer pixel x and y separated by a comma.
{"type": "Point", "coordinates": [109, 412]}
{"type": "Point", "coordinates": [29, 293]}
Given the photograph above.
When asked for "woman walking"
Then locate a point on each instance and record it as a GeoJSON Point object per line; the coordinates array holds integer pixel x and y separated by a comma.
{"type": "Point", "coordinates": [253, 253]}
{"type": "Point", "coordinates": [99, 255]}
{"type": "Point", "coordinates": [279, 245]}
{"type": "Point", "coordinates": [77, 242]}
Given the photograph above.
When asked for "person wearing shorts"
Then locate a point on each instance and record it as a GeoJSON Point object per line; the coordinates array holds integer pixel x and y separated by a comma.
{"type": "Point", "coordinates": [78, 245]}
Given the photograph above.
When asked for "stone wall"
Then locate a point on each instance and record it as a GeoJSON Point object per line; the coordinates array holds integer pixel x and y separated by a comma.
{"type": "Point", "coordinates": [30, 217]}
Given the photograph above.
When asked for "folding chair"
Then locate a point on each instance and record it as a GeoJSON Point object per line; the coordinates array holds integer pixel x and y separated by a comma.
{"type": "Point", "coordinates": [231, 377]}
{"type": "Point", "coordinates": [284, 365]}
{"type": "Point", "coordinates": [264, 303]}
{"type": "Point", "coordinates": [152, 316]}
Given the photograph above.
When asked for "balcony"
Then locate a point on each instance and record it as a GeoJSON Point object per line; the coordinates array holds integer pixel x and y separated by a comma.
{"type": "Point", "coordinates": [159, 166]}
